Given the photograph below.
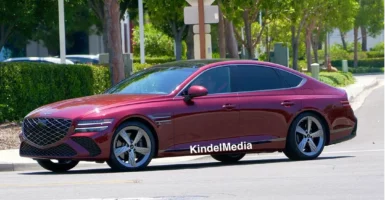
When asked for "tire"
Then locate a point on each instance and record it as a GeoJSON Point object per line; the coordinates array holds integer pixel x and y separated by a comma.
{"type": "Point", "coordinates": [228, 158]}
{"type": "Point", "coordinates": [303, 146]}
{"type": "Point", "coordinates": [61, 166]}
{"type": "Point", "coordinates": [131, 155]}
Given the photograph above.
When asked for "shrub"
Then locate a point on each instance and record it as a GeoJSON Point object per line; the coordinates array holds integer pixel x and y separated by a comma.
{"type": "Point", "coordinates": [26, 86]}
{"type": "Point", "coordinates": [373, 62]}
{"type": "Point", "coordinates": [337, 79]}
{"type": "Point", "coordinates": [379, 47]}
{"type": "Point", "coordinates": [155, 60]}
{"type": "Point", "coordinates": [359, 70]}
{"type": "Point", "coordinates": [375, 54]}
{"type": "Point", "coordinates": [138, 66]}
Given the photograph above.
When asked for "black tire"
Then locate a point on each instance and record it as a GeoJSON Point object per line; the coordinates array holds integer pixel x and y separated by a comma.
{"type": "Point", "coordinates": [228, 158]}
{"type": "Point", "coordinates": [61, 166]}
{"type": "Point", "coordinates": [115, 164]}
{"type": "Point", "coordinates": [292, 147]}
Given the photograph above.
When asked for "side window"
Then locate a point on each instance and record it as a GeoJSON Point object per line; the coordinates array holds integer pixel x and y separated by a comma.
{"type": "Point", "coordinates": [291, 80]}
{"type": "Point", "coordinates": [214, 80]}
{"type": "Point", "coordinates": [246, 78]}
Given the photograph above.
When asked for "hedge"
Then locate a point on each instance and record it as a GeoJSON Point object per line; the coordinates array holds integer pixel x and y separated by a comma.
{"type": "Point", "coordinates": [154, 60]}
{"type": "Point", "coordinates": [375, 54]}
{"type": "Point", "coordinates": [337, 79]}
{"type": "Point", "coordinates": [359, 70]}
{"type": "Point", "coordinates": [372, 62]}
{"type": "Point", "coordinates": [26, 86]}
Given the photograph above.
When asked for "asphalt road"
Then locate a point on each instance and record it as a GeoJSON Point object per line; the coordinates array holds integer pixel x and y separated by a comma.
{"type": "Point", "coordinates": [350, 170]}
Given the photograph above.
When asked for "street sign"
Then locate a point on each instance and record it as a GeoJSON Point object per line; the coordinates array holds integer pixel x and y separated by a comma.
{"type": "Point", "coordinates": [191, 15]}
{"type": "Point", "coordinates": [195, 2]}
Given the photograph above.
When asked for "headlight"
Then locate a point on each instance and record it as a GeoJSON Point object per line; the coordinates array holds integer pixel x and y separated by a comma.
{"type": "Point", "coordinates": [93, 125]}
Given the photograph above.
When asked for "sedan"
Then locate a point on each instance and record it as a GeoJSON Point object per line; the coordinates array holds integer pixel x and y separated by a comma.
{"type": "Point", "coordinates": [222, 108]}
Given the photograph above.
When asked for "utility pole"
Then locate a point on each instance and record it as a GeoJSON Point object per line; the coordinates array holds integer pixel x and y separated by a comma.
{"type": "Point", "coordinates": [202, 38]}
{"type": "Point", "coordinates": [141, 30]}
{"type": "Point", "coordinates": [61, 23]}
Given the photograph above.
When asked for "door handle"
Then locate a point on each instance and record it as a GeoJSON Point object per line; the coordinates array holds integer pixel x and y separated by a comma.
{"type": "Point", "coordinates": [229, 106]}
{"type": "Point", "coordinates": [287, 103]}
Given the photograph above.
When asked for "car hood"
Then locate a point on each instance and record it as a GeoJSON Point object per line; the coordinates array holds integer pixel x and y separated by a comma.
{"type": "Point", "coordinates": [77, 107]}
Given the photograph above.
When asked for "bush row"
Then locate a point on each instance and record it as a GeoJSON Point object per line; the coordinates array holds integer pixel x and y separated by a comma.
{"type": "Point", "coordinates": [337, 79]}
{"type": "Point", "coordinates": [26, 86]}
{"type": "Point", "coordinates": [154, 60]}
{"type": "Point", "coordinates": [373, 62]}
{"type": "Point", "coordinates": [375, 54]}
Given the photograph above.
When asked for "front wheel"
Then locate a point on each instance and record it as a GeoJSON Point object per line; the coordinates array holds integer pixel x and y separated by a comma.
{"type": "Point", "coordinates": [306, 139]}
{"type": "Point", "coordinates": [132, 148]}
{"type": "Point", "coordinates": [60, 166]}
{"type": "Point", "coordinates": [228, 158]}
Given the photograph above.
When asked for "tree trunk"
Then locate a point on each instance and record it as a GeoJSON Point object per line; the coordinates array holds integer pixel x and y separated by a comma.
{"type": "Point", "coordinates": [248, 35]}
{"type": "Point", "coordinates": [355, 46]}
{"type": "Point", "coordinates": [308, 48]}
{"type": "Point", "coordinates": [231, 41]}
{"type": "Point", "coordinates": [190, 43]}
{"type": "Point", "coordinates": [294, 43]}
{"type": "Point", "coordinates": [221, 34]}
{"type": "Point", "coordinates": [314, 40]}
{"type": "Point", "coordinates": [364, 38]}
{"type": "Point", "coordinates": [326, 51]}
{"type": "Point", "coordinates": [267, 46]}
{"type": "Point", "coordinates": [179, 46]}
{"type": "Point", "coordinates": [342, 35]}
{"type": "Point", "coordinates": [114, 44]}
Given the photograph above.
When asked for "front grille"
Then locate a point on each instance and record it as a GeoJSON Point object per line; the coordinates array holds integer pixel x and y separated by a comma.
{"type": "Point", "coordinates": [88, 144]}
{"type": "Point", "coordinates": [62, 150]}
{"type": "Point", "coordinates": [45, 131]}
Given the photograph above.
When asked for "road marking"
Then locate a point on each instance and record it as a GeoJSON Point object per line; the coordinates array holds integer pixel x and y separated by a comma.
{"type": "Point", "coordinates": [70, 183]}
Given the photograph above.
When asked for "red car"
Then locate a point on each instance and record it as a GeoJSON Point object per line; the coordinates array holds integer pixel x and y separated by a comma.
{"type": "Point", "coordinates": [225, 108]}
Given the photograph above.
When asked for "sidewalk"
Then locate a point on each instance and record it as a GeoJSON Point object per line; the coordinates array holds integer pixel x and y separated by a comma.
{"type": "Point", "coordinates": [11, 161]}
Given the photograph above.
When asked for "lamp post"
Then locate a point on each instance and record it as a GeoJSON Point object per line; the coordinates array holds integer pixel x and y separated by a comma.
{"type": "Point", "coordinates": [62, 30]}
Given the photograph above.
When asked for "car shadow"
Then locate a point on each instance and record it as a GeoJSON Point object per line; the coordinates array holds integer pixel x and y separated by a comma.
{"type": "Point", "coordinates": [193, 165]}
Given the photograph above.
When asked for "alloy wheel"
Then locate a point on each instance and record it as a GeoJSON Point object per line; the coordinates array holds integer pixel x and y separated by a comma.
{"type": "Point", "coordinates": [309, 136]}
{"type": "Point", "coordinates": [132, 147]}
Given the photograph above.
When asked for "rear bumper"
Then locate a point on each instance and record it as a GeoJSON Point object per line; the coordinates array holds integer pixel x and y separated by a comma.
{"type": "Point", "coordinates": [348, 137]}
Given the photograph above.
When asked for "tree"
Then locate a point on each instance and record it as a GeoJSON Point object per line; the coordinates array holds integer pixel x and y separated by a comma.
{"type": "Point", "coordinates": [168, 16]}
{"type": "Point", "coordinates": [17, 17]}
{"type": "Point", "coordinates": [109, 14]}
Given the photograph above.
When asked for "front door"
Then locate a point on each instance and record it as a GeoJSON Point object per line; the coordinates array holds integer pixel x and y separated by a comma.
{"type": "Point", "coordinates": [206, 121]}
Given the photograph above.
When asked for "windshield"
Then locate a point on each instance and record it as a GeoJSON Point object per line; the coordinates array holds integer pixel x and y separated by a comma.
{"type": "Point", "coordinates": [156, 80]}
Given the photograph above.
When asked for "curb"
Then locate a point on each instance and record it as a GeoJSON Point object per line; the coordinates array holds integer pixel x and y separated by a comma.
{"type": "Point", "coordinates": [374, 83]}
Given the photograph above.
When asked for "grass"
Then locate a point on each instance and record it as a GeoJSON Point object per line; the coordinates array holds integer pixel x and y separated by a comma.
{"type": "Point", "coordinates": [9, 135]}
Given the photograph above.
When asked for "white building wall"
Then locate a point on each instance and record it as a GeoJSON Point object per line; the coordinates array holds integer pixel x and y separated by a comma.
{"type": "Point", "coordinates": [36, 49]}
{"type": "Point", "coordinates": [335, 38]}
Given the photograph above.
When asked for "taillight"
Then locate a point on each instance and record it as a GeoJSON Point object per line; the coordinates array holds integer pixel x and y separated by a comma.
{"type": "Point", "coordinates": [345, 103]}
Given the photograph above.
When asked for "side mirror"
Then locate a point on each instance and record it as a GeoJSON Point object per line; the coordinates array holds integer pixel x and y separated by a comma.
{"type": "Point", "coordinates": [195, 91]}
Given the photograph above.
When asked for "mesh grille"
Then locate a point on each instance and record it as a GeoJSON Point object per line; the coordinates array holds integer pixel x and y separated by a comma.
{"type": "Point", "coordinates": [45, 131]}
{"type": "Point", "coordinates": [62, 150]}
{"type": "Point", "coordinates": [88, 144]}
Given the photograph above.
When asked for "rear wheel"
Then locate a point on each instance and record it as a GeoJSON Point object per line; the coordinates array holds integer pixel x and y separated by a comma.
{"type": "Point", "coordinates": [228, 158]}
{"type": "Point", "coordinates": [132, 148]}
{"type": "Point", "coordinates": [60, 166]}
{"type": "Point", "coordinates": [306, 139]}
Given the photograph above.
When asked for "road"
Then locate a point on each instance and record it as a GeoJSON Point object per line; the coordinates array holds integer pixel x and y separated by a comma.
{"type": "Point", "coordinates": [350, 170]}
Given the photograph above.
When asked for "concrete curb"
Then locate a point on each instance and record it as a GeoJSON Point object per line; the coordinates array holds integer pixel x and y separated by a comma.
{"type": "Point", "coordinates": [352, 95]}
{"type": "Point", "coordinates": [7, 167]}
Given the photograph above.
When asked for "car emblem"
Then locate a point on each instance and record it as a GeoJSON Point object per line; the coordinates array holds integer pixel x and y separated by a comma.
{"type": "Point", "coordinates": [42, 122]}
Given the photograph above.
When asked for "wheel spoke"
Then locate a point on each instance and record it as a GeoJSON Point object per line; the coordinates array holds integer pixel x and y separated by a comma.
{"type": "Point", "coordinates": [125, 137]}
{"type": "Point", "coordinates": [132, 158]}
{"type": "Point", "coordinates": [317, 134]}
{"type": "Point", "coordinates": [119, 151]}
{"type": "Point", "coordinates": [142, 150]}
{"type": "Point", "coordinates": [139, 135]}
{"type": "Point", "coordinates": [301, 131]}
{"type": "Point", "coordinates": [312, 146]}
{"type": "Point", "coordinates": [309, 122]}
{"type": "Point", "coordinates": [302, 144]}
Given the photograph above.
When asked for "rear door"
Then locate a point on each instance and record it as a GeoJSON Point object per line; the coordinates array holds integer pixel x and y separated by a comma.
{"type": "Point", "coordinates": [267, 104]}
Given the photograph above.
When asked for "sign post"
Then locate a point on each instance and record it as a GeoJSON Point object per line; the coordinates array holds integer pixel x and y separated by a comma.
{"type": "Point", "coordinates": [201, 14]}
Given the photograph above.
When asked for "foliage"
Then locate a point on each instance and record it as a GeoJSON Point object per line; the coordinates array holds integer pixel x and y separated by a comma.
{"type": "Point", "coordinates": [372, 62]}
{"type": "Point", "coordinates": [379, 47]}
{"type": "Point", "coordinates": [138, 66]}
{"type": "Point", "coordinates": [26, 86]}
{"type": "Point", "coordinates": [155, 60]}
{"type": "Point", "coordinates": [359, 70]}
{"type": "Point", "coordinates": [371, 16]}
{"type": "Point", "coordinates": [336, 79]}
{"type": "Point", "coordinates": [375, 54]}
{"type": "Point", "coordinates": [156, 42]}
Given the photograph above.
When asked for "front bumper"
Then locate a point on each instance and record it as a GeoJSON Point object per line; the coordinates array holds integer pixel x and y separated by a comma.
{"type": "Point", "coordinates": [85, 146]}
